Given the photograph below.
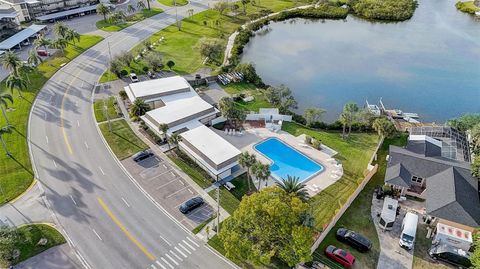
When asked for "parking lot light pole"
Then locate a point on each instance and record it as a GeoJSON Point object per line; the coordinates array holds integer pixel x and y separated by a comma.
{"type": "Point", "coordinates": [218, 207]}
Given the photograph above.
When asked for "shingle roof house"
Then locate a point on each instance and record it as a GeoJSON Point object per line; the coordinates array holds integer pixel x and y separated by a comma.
{"type": "Point", "coordinates": [451, 192]}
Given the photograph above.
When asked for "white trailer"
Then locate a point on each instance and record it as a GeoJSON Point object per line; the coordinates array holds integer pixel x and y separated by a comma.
{"type": "Point", "coordinates": [453, 236]}
{"type": "Point", "coordinates": [389, 213]}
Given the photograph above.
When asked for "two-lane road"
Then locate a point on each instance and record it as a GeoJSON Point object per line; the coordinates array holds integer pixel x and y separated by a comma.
{"type": "Point", "coordinates": [110, 222]}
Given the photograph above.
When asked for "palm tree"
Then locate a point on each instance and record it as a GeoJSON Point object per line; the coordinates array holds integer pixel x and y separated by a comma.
{"type": "Point", "coordinates": [148, 4]}
{"type": "Point", "coordinates": [16, 82]}
{"type": "Point", "coordinates": [348, 117]}
{"type": "Point", "coordinates": [261, 172]}
{"type": "Point", "coordinates": [24, 69]}
{"type": "Point", "coordinates": [163, 128]}
{"type": "Point", "coordinates": [5, 130]}
{"type": "Point", "coordinates": [141, 5]}
{"type": "Point", "coordinates": [384, 127]}
{"type": "Point", "coordinates": [475, 134]}
{"type": "Point", "coordinates": [174, 139]}
{"type": "Point", "coordinates": [139, 107]}
{"type": "Point", "coordinates": [33, 58]}
{"type": "Point", "coordinates": [11, 62]}
{"type": "Point", "coordinates": [60, 29]}
{"type": "Point", "coordinates": [72, 35]}
{"type": "Point", "coordinates": [292, 185]}
{"type": "Point", "coordinates": [4, 97]}
{"type": "Point", "coordinates": [41, 41]}
{"type": "Point", "coordinates": [247, 160]}
{"type": "Point", "coordinates": [131, 8]}
{"type": "Point", "coordinates": [60, 44]}
{"type": "Point", "coordinates": [103, 10]}
{"type": "Point", "coordinates": [244, 4]}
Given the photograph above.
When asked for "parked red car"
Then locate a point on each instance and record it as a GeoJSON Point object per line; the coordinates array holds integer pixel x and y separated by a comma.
{"type": "Point", "coordinates": [341, 256]}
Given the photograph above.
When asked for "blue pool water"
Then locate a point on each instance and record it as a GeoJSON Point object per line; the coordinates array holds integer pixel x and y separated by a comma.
{"type": "Point", "coordinates": [287, 161]}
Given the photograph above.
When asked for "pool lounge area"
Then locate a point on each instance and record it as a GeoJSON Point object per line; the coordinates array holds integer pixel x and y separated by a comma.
{"type": "Point", "coordinates": [287, 161]}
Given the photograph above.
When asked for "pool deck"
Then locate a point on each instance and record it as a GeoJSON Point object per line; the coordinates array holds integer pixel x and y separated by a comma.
{"type": "Point", "coordinates": [316, 183]}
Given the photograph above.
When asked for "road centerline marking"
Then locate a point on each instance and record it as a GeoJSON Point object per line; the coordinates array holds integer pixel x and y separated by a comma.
{"type": "Point", "coordinates": [124, 230]}
{"type": "Point", "coordinates": [95, 232]}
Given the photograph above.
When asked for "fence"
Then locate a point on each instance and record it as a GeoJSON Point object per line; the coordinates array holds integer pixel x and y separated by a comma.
{"type": "Point", "coordinates": [344, 207]}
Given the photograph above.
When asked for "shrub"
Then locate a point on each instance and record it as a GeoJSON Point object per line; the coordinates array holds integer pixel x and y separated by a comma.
{"type": "Point", "coordinates": [145, 69]}
{"type": "Point", "coordinates": [123, 94]}
{"type": "Point", "coordinates": [115, 67]}
{"type": "Point", "coordinates": [308, 140]}
{"type": "Point", "coordinates": [316, 144]}
{"type": "Point", "coordinates": [154, 60]}
{"type": "Point", "coordinates": [123, 73]}
{"type": "Point", "coordinates": [467, 7]}
{"type": "Point", "coordinates": [390, 10]}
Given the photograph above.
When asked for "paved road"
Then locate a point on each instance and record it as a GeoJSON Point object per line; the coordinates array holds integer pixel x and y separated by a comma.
{"type": "Point", "coordinates": [108, 220]}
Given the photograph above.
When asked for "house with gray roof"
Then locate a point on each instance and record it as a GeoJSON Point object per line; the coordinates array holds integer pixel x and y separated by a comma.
{"type": "Point", "coordinates": [423, 169]}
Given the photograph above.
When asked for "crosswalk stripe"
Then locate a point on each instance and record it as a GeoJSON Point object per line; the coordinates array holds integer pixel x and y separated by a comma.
{"type": "Point", "coordinates": [185, 242]}
{"type": "Point", "coordinates": [165, 261]}
{"type": "Point", "coordinates": [193, 242]}
{"type": "Point", "coordinates": [179, 251]}
{"type": "Point", "coordinates": [174, 261]}
{"type": "Point", "coordinates": [161, 265]}
{"type": "Point", "coordinates": [185, 248]}
{"type": "Point", "coordinates": [153, 266]}
{"type": "Point", "coordinates": [176, 256]}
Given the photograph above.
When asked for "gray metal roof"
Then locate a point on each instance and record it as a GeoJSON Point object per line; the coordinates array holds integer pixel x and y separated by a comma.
{"type": "Point", "coordinates": [16, 39]}
{"type": "Point", "coordinates": [65, 13]}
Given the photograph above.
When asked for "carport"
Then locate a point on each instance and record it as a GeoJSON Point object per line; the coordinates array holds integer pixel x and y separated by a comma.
{"type": "Point", "coordinates": [67, 13]}
{"type": "Point", "coordinates": [21, 36]}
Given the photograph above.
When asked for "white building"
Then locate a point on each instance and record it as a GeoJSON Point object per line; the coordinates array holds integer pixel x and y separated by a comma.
{"type": "Point", "coordinates": [175, 103]}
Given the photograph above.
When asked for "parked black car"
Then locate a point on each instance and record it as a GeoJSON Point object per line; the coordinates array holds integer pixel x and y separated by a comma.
{"type": "Point", "coordinates": [142, 155]}
{"type": "Point", "coordinates": [191, 204]}
{"type": "Point", "coordinates": [354, 239]}
{"type": "Point", "coordinates": [151, 74]}
{"type": "Point", "coordinates": [449, 254]}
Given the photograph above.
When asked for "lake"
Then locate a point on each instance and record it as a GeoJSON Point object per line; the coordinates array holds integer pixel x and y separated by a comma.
{"type": "Point", "coordinates": [429, 64]}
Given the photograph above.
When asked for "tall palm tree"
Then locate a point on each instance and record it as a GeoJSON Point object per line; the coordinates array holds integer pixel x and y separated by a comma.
{"type": "Point", "coordinates": [4, 97]}
{"type": "Point", "coordinates": [60, 29]}
{"type": "Point", "coordinates": [131, 8]}
{"type": "Point", "coordinates": [141, 5]}
{"type": "Point", "coordinates": [24, 69]}
{"type": "Point", "coordinates": [174, 139]}
{"type": "Point", "coordinates": [5, 130]}
{"type": "Point", "coordinates": [163, 128]}
{"type": "Point", "coordinates": [42, 41]}
{"type": "Point", "coordinates": [384, 127]}
{"type": "Point", "coordinates": [139, 107]}
{"type": "Point", "coordinates": [33, 58]}
{"type": "Point", "coordinates": [11, 61]}
{"type": "Point", "coordinates": [261, 172]}
{"type": "Point", "coordinates": [148, 4]}
{"type": "Point", "coordinates": [292, 185]}
{"type": "Point", "coordinates": [247, 160]}
{"type": "Point", "coordinates": [60, 44]}
{"type": "Point", "coordinates": [348, 117]}
{"type": "Point", "coordinates": [16, 82]}
{"type": "Point", "coordinates": [103, 10]}
{"type": "Point", "coordinates": [72, 35]}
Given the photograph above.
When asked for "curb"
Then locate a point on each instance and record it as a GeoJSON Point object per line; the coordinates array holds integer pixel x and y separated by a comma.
{"type": "Point", "coordinates": [24, 192]}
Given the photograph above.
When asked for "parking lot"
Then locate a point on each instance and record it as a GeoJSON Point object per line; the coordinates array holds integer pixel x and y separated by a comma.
{"type": "Point", "coordinates": [161, 181]}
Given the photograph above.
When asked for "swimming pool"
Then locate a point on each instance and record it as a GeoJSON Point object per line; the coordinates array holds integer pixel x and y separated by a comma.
{"type": "Point", "coordinates": [287, 161]}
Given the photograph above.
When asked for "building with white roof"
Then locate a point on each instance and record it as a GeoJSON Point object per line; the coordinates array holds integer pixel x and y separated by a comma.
{"type": "Point", "coordinates": [210, 151]}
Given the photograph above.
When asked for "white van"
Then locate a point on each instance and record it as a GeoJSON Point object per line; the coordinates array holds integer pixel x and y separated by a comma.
{"type": "Point", "coordinates": [409, 230]}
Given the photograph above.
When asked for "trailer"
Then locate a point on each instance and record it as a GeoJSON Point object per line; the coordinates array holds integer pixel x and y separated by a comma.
{"type": "Point", "coordinates": [453, 236]}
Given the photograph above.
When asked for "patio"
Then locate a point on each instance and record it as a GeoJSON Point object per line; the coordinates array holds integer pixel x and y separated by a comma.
{"type": "Point", "coordinates": [331, 173]}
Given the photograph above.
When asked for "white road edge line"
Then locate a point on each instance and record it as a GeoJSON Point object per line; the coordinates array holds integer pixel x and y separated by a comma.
{"type": "Point", "coordinates": [174, 261]}
{"type": "Point", "coordinates": [161, 265]}
{"type": "Point", "coordinates": [188, 251]}
{"type": "Point", "coordinates": [165, 261]}
{"type": "Point", "coordinates": [165, 240]}
{"type": "Point", "coordinates": [193, 242]}
{"type": "Point", "coordinates": [125, 201]}
{"type": "Point", "coordinates": [95, 232]}
{"type": "Point", "coordinates": [185, 242]}
{"type": "Point", "coordinates": [73, 200]}
{"type": "Point", "coordinates": [176, 256]}
{"type": "Point", "coordinates": [179, 251]}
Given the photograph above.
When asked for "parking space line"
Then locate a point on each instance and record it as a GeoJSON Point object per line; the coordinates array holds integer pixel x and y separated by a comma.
{"type": "Point", "coordinates": [184, 248]}
{"type": "Point", "coordinates": [161, 174]}
{"type": "Point", "coordinates": [181, 182]}
{"type": "Point", "coordinates": [193, 242]}
{"type": "Point", "coordinates": [165, 166]}
{"type": "Point", "coordinates": [190, 191]}
{"type": "Point", "coordinates": [174, 261]}
{"type": "Point", "coordinates": [176, 256]}
{"type": "Point", "coordinates": [172, 194]}
{"type": "Point", "coordinates": [161, 265]}
{"type": "Point", "coordinates": [179, 251]}
{"type": "Point", "coordinates": [165, 261]}
{"type": "Point", "coordinates": [185, 242]}
{"type": "Point", "coordinates": [165, 184]}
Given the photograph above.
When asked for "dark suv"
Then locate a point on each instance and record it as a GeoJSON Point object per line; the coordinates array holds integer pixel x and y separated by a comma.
{"type": "Point", "coordinates": [142, 155]}
{"type": "Point", "coordinates": [449, 254]}
{"type": "Point", "coordinates": [191, 204]}
{"type": "Point", "coordinates": [354, 239]}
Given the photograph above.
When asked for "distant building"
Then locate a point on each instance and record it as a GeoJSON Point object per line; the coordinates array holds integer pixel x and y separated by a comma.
{"type": "Point", "coordinates": [28, 10]}
{"type": "Point", "coordinates": [9, 22]}
{"type": "Point", "coordinates": [433, 166]}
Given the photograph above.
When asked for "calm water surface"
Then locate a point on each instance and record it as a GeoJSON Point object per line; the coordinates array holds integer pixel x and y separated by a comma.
{"type": "Point", "coordinates": [429, 64]}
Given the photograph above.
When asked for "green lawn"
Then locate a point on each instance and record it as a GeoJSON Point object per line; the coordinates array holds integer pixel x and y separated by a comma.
{"type": "Point", "coordinates": [421, 259]}
{"type": "Point", "coordinates": [467, 7]}
{"type": "Point", "coordinates": [16, 173]}
{"type": "Point", "coordinates": [228, 201]}
{"type": "Point", "coordinates": [248, 89]}
{"type": "Point", "coordinates": [31, 234]}
{"type": "Point", "coordinates": [172, 3]}
{"type": "Point", "coordinates": [122, 140]}
{"type": "Point", "coordinates": [131, 19]}
{"type": "Point", "coordinates": [180, 46]}
{"type": "Point", "coordinates": [241, 186]}
{"type": "Point", "coordinates": [357, 217]}
{"type": "Point", "coordinates": [98, 108]}
{"type": "Point", "coordinates": [190, 168]}
{"type": "Point", "coordinates": [200, 226]}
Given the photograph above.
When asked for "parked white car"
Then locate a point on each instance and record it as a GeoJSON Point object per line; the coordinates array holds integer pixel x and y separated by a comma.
{"type": "Point", "coordinates": [133, 77]}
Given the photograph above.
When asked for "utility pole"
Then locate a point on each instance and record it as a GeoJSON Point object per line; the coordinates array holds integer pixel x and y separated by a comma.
{"type": "Point", "coordinates": [105, 110]}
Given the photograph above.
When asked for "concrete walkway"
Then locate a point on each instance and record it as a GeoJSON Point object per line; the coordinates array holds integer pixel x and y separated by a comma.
{"type": "Point", "coordinates": [59, 257]}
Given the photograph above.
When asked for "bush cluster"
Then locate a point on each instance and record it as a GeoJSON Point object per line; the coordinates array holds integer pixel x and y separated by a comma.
{"type": "Point", "coordinates": [388, 10]}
